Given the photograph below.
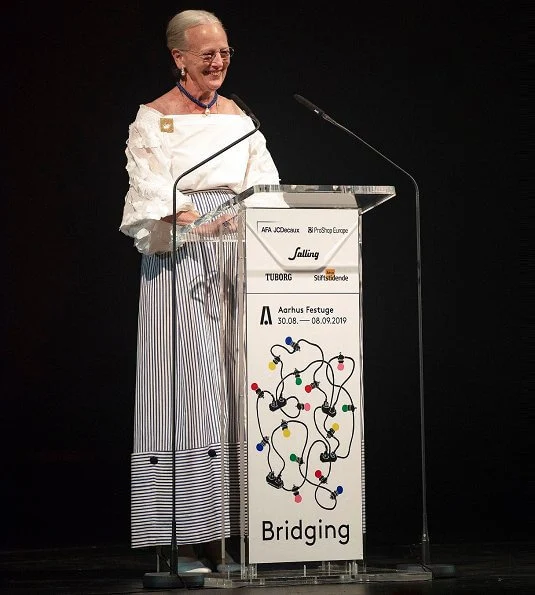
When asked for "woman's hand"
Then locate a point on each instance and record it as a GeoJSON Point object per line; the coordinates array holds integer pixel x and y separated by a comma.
{"type": "Point", "coordinates": [182, 217]}
{"type": "Point", "coordinates": [223, 224]}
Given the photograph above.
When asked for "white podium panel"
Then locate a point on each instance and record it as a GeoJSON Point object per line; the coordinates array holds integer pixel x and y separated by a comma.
{"type": "Point", "coordinates": [304, 385]}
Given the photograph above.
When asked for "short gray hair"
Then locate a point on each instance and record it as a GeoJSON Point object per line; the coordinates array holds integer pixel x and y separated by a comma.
{"type": "Point", "coordinates": [178, 25]}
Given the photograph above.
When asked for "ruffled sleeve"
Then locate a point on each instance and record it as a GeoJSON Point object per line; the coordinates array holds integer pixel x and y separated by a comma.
{"type": "Point", "coordinates": [150, 192]}
{"type": "Point", "coordinates": [261, 169]}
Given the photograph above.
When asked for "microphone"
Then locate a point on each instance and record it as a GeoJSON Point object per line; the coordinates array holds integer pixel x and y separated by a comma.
{"type": "Point", "coordinates": [309, 105]}
{"type": "Point", "coordinates": [313, 108]}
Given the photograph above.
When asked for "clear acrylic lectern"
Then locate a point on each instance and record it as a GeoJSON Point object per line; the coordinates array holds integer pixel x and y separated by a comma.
{"type": "Point", "coordinates": [292, 324]}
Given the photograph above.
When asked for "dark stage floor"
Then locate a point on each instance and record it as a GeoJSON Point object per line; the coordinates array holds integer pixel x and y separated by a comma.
{"type": "Point", "coordinates": [480, 568]}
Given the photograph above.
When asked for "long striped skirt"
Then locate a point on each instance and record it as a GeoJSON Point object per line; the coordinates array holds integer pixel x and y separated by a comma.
{"type": "Point", "coordinates": [206, 492]}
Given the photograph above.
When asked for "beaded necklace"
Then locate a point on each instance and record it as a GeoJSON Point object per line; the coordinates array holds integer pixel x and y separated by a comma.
{"type": "Point", "coordinates": [206, 106]}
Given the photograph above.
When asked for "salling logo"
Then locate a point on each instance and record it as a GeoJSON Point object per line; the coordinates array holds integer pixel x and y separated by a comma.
{"type": "Point", "coordinates": [304, 253]}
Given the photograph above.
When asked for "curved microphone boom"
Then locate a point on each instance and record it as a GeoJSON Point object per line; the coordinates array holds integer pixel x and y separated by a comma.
{"type": "Point", "coordinates": [319, 112]}
{"type": "Point", "coordinates": [248, 112]}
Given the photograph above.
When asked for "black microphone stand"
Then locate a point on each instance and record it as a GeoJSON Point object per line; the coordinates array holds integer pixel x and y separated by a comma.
{"type": "Point", "coordinates": [438, 570]}
{"type": "Point", "coordinates": [171, 579]}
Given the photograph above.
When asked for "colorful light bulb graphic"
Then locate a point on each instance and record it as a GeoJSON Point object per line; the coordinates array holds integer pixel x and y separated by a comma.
{"type": "Point", "coordinates": [273, 364]}
{"type": "Point", "coordinates": [260, 445]}
{"type": "Point", "coordinates": [257, 390]}
{"type": "Point", "coordinates": [284, 427]}
{"type": "Point", "coordinates": [305, 406]}
{"type": "Point", "coordinates": [334, 428]}
{"type": "Point", "coordinates": [311, 386]}
{"type": "Point", "coordinates": [297, 496]}
{"type": "Point", "coordinates": [336, 492]}
{"type": "Point", "coordinates": [319, 475]}
{"type": "Point", "coordinates": [289, 341]}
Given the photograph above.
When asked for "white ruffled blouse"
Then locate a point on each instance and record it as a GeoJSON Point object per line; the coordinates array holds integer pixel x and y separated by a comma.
{"type": "Point", "coordinates": [161, 148]}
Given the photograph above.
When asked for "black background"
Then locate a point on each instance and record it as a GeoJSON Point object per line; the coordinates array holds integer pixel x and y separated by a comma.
{"type": "Point", "coordinates": [432, 85]}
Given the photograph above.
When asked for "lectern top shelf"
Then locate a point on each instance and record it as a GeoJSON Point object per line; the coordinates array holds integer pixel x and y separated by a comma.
{"type": "Point", "coordinates": [303, 196]}
{"type": "Point", "coordinates": [342, 196]}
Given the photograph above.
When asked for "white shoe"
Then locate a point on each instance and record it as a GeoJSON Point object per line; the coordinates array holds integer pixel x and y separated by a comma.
{"type": "Point", "coordinates": [191, 566]}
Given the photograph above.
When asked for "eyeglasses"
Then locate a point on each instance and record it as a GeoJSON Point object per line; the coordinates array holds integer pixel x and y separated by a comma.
{"type": "Point", "coordinates": [209, 57]}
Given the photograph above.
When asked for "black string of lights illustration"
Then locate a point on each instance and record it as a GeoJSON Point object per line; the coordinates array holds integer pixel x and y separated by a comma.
{"type": "Point", "coordinates": [304, 420]}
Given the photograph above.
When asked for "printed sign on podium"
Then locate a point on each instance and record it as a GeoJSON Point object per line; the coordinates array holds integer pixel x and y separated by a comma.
{"type": "Point", "coordinates": [303, 378]}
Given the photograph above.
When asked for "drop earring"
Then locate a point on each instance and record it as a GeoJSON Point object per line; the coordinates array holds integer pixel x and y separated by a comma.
{"type": "Point", "coordinates": [182, 73]}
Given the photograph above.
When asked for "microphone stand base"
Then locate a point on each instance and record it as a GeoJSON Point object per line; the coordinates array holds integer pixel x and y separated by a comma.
{"type": "Point", "coordinates": [437, 570]}
{"type": "Point", "coordinates": [166, 580]}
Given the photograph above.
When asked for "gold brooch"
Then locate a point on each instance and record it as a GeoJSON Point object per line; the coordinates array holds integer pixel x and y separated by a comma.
{"type": "Point", "coordinates": [166, 125]}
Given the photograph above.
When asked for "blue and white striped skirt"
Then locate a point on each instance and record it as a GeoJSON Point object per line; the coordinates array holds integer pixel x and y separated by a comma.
{"type": "Point", "coordinates": [206, 499]}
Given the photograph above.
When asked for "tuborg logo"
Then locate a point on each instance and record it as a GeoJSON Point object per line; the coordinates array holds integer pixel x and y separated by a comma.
{"type": "Point", "coordinates": [304, 253]}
